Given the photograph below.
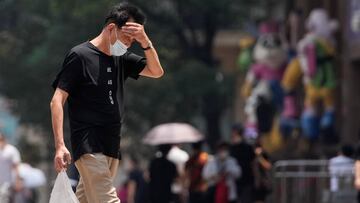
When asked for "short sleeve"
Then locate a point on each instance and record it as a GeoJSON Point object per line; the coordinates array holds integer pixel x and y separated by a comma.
{"type": "Point", "coordinates": [133, 176]}
{"type": "Point", "coordinates": [15, 156]}
{"type": "Point", "coordinates": [69, 76]}
{"type": "Point", "coordinates": [134, 64]}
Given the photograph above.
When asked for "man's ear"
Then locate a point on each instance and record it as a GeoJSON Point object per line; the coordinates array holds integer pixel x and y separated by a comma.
{"type": "Point", "coordinates": [110, 26]}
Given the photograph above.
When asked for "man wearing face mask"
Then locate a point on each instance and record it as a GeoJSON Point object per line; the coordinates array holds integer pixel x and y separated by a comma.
{"type": "Point", "coordinates": [92, 81]}
{"type": "Point", "coordinates": [221, 172]}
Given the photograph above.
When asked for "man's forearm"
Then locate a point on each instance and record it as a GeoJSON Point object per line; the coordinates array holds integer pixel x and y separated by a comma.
{"type": "Point", "coordinates": [16, 170]}
{"type": "Point", "coordinates": [153, 62]}
{"type": "Point", "coordinates": [265, 163]}
{"type": "Point", "coordinates": [357, 169]}
{"type": "Point", "coordinates": [57, 118]}
{"type": "Point", "coordinates": [131, 191]}
{"type": "Point", "coordinates": [62, 155]}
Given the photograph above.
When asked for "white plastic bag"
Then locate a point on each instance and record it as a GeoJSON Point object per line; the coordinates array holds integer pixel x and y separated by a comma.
{"type": "Point", "coordinates": [62, 192]}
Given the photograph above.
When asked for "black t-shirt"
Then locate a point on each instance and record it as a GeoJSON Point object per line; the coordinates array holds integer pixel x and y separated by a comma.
{"type": "Point", "coordinates": [245, 156]}
{"type": "Point", "coordinates": [95, 83]}
{"type": "Point", "coordinates": [162, 174]}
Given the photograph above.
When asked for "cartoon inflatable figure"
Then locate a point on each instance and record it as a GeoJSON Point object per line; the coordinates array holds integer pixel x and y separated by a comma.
{"type": "Point", "coordinates": [314, 66]}
{"type": "Point", "coordinates": [262, 88]}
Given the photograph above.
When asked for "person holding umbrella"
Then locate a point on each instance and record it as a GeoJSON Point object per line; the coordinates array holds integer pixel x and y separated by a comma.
{"type": "Point", "coordinates": [172, 134]}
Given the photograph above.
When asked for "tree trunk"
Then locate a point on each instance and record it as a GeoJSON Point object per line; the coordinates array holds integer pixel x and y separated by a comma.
{"type": "Point", "coordinates": [212, 110]}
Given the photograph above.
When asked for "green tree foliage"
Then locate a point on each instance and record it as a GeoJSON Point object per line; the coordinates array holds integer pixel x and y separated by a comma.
{"type": "Point", "coordinates": [36, 34]}
{"type": "Point", "coordinates": [190, 27]}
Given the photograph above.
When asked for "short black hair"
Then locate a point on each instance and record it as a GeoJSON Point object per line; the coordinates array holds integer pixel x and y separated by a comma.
{"type": "Point", "coordinates": [238, 128]}
{"type": "Point", "coordinates": [122, 12]}
{"type": "Point", "coordinates": [222, 145]}
{"type": "Point", "coordinates": [164, 149]}
{"type": "Point", "coordinates": [347, 150]}
{"type": "Point", "coordinates": [197, 145]}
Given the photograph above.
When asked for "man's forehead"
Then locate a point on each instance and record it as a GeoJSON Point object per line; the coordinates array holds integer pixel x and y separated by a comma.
{"type": "Point", "coordinates": [131, 20]}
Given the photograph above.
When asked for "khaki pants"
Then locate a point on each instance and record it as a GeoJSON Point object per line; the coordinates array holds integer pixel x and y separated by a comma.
{"type": "Point", "coordinates": [97, 172]}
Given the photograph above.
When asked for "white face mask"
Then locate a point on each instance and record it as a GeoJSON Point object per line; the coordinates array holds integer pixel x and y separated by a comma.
{"type": "Point", "coordinates": [118, 48]}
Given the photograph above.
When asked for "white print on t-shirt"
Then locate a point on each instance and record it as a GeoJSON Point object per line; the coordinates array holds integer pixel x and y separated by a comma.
{"type": "Point", "coordinates": [111, 100]}
{"type": "Point", "coordinates": [110, 97]}
{"type": "Point", "coordinates": [109, 82]}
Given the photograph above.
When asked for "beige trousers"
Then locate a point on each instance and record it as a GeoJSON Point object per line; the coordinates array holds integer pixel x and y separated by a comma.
{"type": "Point", "coordinates": [97, 173]}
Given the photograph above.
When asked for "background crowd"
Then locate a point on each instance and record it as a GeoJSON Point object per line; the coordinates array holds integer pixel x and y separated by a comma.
{"type": "Point", "coordinates": [286, 69]}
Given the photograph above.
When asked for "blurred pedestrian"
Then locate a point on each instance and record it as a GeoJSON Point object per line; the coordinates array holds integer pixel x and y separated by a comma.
{"type": "Point", "coordinates": [341, 167]}
{"type": "Point", "coordinates": [92, 80]}
{"type": "Point", "coordinates": [163, 173]}
{"type": "Point", "coordinates": [263, 167]}
{"type": "Point", "coordinates": [221, 173]}
{"type": "Point", "coordinates": [193, 169]}
{"type": "Point", "coordinates": [179, 157]}
{"type": "Point", "coordinates": [22, 194]}
{"type": "Point", "coordinates": [10, 179]}
{"type": "Point", "coordinates": [137, 186]}
{"type": "Point", "coordinates": [244, 154]}
{"type": "Point", "coordinates": [357, 172]}
{"type": "Point", "coordinates": [122, 192]}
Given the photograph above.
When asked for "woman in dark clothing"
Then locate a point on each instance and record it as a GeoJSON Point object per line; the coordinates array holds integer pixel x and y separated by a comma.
{"type": "Point", "coordinates": [262, 169]}
{"type": "Point", "coordinates": [194, 166]}
{"type": "Point", "coordinates": [162, 174]}
{"type": "Point", "coordinates": [137, 186]}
